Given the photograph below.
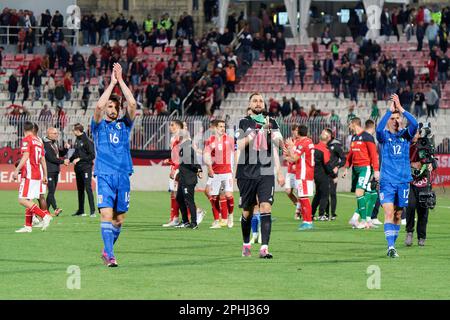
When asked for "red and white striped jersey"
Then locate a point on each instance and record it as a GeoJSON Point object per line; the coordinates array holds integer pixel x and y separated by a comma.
{"type": "Point", "coordinates": [304, 147]}
{"type": "Point", "coordinates": [32, 168]}
{"type": "Point", "coordinates": [222, 153]}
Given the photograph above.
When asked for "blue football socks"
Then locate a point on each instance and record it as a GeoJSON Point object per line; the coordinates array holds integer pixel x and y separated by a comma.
{"type": "Point", "coordinates": [108, 238]}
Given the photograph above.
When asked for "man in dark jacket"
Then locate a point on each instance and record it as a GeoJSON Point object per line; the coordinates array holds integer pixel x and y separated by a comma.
{"type": "Point", "coordinates": [53, 154]}
{"type": "Point", "coordinates": [324, 168]}
{"type": "Point", "coordinates": [336, 156]}
{"type": "Point", "coordinates": [189, 170]}
{"type": "Point", "coordinates": [13, 85]}
{"type": "Point", "coordinates": [83, 158]}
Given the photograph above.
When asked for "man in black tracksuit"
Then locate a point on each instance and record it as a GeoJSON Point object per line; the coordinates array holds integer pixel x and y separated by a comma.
{"type": "Point", "coordinates": [420, 183]}
{"type": "Point", "coordinates": [53, 154]}
{"type": "Point", "coordinates": [337, 156]}
{"type": "Point", "coordinates": [189, 170]}
{"type": "Point", "coordinates": [83, 158]}
{"type": "Point", "coordinates": [324, 168]}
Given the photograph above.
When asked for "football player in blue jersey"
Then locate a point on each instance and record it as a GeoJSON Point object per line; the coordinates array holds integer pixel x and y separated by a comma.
{"type": "Point", "coordinates": [395, 173]}
{"type": "Point", "coordinates": [113, 166]}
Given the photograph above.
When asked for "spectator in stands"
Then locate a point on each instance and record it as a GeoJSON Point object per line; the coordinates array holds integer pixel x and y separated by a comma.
{"type": "Point", "coordinates": [151, 92]}
{"type": "Point", "coordinates": [119, 26]}
{"type": "Point", "coordinates": [45, 114]}
{"type": "Point", "coordinates": [133, 29]}
{"type": "Point", "coordinates": [37, 85]}
{"type": "Point", "coordinates": [58, 36]}
{"type": "Point", "coordinates": [375, 112]}
{"type": "Point", "coordinates": [335, 79]}
{"type": "Point", "coordinates": [406, 98]}
{"type": "Point", "coordinates": [161, 39]}
{"type": "Point", "coordinates": [302, 70]}
{"type": "Point", "coordinates": [396, 25]}
{"type": "Point", "coordinates": [230, 70]}
{"type": "Point", "coordinates": [317, 71]}
{"type": "Point", "coordinates": [105, 56]}
{"type": "Point", "coordinates": [92, 65]}
{"type": "Point", "coordinates": [432, 32]}
{"type": "Point", "coordinates": [443, 37]}
{"type": "Point", "coordinates": [21, 40]}
{"type": "Point", "coordinates": [257, 47]}
{"type": "Point", "coordinates": [78, 68]}
{"type": "Point", "coordinates": [295, 105]}
{"type": "Point", "coordinates": [60, 118]}
{"type": "Point", "coordinates": [25, 85]}
{"type": "Point", "coordinates": [175, 103]}
{"type": "Point", "coordinates": [254, 23]}
{"type": "Point", "coordinates": [354, 85]}
{"type": "Point", "coordinates": [443, 66]}
{"type": "Point", "coordinates": [103, 26]}
{"type": "Point", "coordinates": [285, 107]}
{"type": "Point", "coordinates": [68, 82]}
{"type": "Point", "coordinates": [302, 113]}
{"type": "Point", "coordinates": [232, 23]}
{"type": "Point", "coordinates": [410, 74]}
{"type": "Point", "coordinates": [269, 45]}
{"type": "Point", "coordinates": [63, 56]}
{"type": "Point", "coordinates": [46, 19]}
{"type": "Point", "coordinates": [131, 50]}
{"type": "Point", "coordinates": [51, 88]}
{"type": "Point", "coordinates": [85, 96]}
{"type": "Point", "coordinates": [386, 23]}
{"type": "Point", "coordinates": [45, 64]}
{"type": "Point", "coordinates": [431, 65]}
{"type": "Point", "coordinates": [326, 38]}
{"type": "Point", "coordinates": [334, 117]}
{"type": "Point", "coordinates": [280, 46]}
{"type": "Point", "coordinates": [315, 46]}
{"type": "Point", "coordinates": [419, 99]}
{"type": "Point", "coordinates": [84, 27]}
{"type": "Point", "coordinates": [13, 85]}
{"type": "Point", "coordinates": [29, 41]}
{"type": "Point", "coordinates": [60, 93]}
{"type": "Point", "coordinates": [57, 20]}
{"type": "Point", "coordinates": [289, 65]}
{"type": "Point", "coordinates": [431, 100]}
{"type": "Point", "coordinates": [188, 25]}
{"type": "Point", "coordinates": [328, 67]}
{"type": "Point", "coordinates": [195, 46]}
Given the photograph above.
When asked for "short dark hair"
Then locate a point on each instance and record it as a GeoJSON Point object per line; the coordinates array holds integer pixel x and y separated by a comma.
{"type": "Point", "coordinates": [254, 94]}
{"type": "Point", "coordinates": [330, 132]}
{"type": "Point", "coordinates": [178, 123]}
{"type": "Point", "coordinates": [35, 128]}
{"type": "Point", "coordinates": [294, 127]}
{"type": "Point", "coordinates": [117, 99]}
{"type": "Point", "coordinates": [217, 121]}
{"type": "Point", "coordinates": [28, 126]}
{"type": "Point", "coordinates": [302, 130]}
{"type": "Point", "coordinates": [369, 124]}
{"type": "Point", "coordinates": [356, 120]}
{"type": "Point", "coordinates": [78, 127]}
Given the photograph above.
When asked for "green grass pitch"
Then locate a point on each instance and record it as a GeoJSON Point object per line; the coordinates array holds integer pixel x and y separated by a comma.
{"type": "Point", "coordinates": [331, 262]}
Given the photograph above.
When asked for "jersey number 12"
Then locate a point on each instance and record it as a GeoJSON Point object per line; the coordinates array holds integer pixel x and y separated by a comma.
{"type": "Point", "coordinates": [397, 150]}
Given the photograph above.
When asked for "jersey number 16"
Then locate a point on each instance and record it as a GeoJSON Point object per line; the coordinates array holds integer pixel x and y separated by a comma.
{"type": "Point", "coordinates": [113, 138]}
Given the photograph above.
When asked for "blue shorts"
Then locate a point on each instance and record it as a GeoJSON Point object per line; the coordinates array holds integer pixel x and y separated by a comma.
{"type": "Point", "coordinates": [396, 193]}
{"type": "Point", "coordinates": [113, 191]}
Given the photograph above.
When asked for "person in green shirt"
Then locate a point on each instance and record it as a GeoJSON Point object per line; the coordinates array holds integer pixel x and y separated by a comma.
{"type": "Point", "coordinates": [375, 111]}
{"type": "Point", "coordinates": [334, 117]}
{"type": "Point", "coordinates": [335, 50]}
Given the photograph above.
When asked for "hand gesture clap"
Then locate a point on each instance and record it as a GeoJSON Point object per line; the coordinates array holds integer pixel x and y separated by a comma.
{"type": "Point", "coordinates": [113, 75]}
{"type": "Point", "coordinates": [117, 70]}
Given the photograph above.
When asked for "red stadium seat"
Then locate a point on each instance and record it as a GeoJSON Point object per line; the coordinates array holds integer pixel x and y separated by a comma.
{"type": "Point", "coordinates": [19, 57]}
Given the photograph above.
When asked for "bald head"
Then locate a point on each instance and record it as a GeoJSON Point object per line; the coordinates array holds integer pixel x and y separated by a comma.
{"type": "Point", "coordinates": [52, 133]}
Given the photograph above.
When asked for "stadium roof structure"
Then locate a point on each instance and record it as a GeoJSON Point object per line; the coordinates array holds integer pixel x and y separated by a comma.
{"type": "Point", "coordinates": [372, 7]}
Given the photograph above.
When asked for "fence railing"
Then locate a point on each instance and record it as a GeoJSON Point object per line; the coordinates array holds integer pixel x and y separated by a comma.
{"type": "Point", "coordinates": [152, 132]}
{"type": "Point", "coordinates": [9, 34]}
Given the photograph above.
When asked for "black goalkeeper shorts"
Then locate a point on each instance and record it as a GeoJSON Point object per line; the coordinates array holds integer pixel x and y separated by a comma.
{"type": "Point", "coordinates": [254, 191]}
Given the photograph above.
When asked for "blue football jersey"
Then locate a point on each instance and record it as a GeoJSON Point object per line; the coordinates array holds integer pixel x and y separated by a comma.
{"type": "Point", "coordinates": [394, 150]}
{"type": "Point", "coordinates": [112, 146]}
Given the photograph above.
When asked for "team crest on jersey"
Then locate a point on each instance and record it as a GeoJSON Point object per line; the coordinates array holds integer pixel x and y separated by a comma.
{"type": "Point", "coordinates": [25, 144]}
{"type": "Point", "coordinates": [118, 126]}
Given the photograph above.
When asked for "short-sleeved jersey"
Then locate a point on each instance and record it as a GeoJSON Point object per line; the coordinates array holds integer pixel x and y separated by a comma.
{"type": "Point", "coordinates": [35, 148]}
{"type": "Point", "coordinates": [222, 152]}
{"type": "Point", "coordinates": [112, 146]}
{"type": "Point", "coordinates": [174, 153]}
{"type": "Point", "coordinates": [256, 159]}
{"type": "Point", "coordinates": [304, 148]}
{"type": "Point", "coordinates": [363, 152]}
{"type": "Point", "coordinates": [291, 166]}
{"type": "Point", "coordinates": [394, 147]}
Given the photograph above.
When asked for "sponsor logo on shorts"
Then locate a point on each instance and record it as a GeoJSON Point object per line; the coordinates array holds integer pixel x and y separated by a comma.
{"type": "Point", "coordinates": [100, 199]}
{"type": "Point", "coordinates": [381, 196]}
